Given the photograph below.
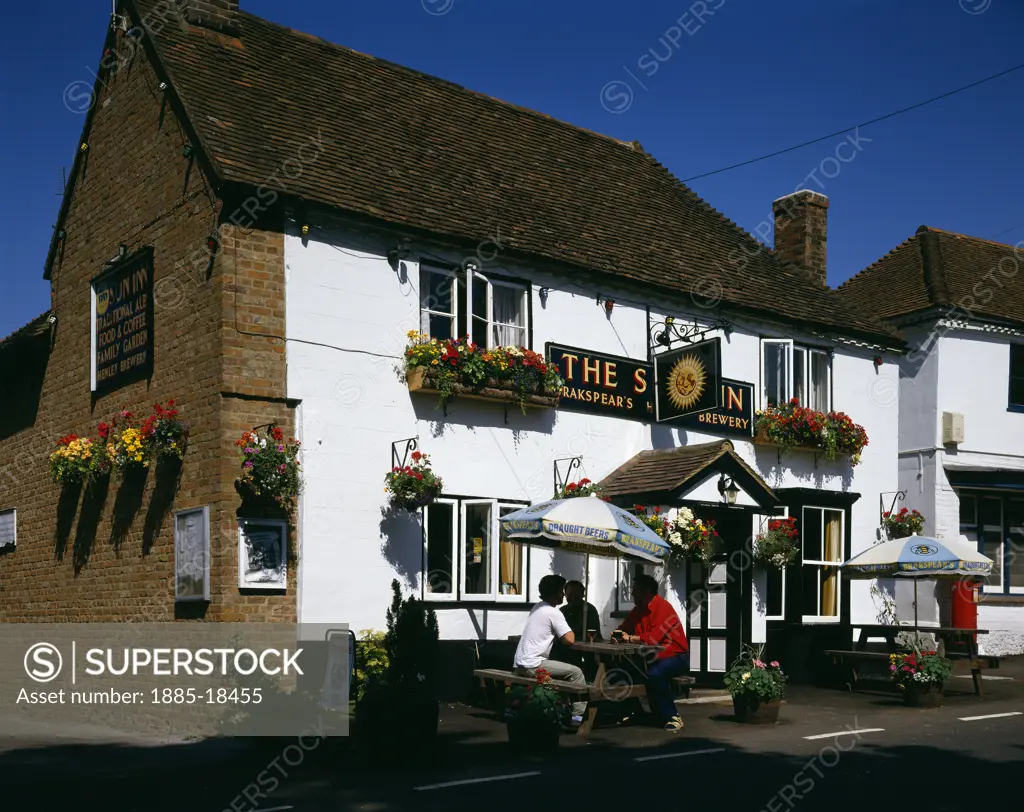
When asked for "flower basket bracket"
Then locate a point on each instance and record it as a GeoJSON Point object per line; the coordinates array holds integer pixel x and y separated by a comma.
{"type": "Point", "coordinates": [412, 444]}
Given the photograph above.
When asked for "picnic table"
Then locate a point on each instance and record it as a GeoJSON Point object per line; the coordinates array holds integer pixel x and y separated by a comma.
{"type": "Point", "coordinates": [947, 637]}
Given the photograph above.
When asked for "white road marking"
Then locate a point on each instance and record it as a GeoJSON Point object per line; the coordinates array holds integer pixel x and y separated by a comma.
{"type": "Point", "coordinates": [846, 733]}
{"type": "Point", "coordinates": [983, 676]}
{"type": "Point", "coordinates": [990, 716]}
{"type": "Point", "coordinates": [477, 780]}
{"type": "Point", "coordinates": [677, 755]}
{"type": "Point", "coordinates": [275, 809]}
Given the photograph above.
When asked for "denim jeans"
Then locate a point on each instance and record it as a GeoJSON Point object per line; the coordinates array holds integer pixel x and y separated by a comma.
{"type": "Point", "coordinates": [659, 685]}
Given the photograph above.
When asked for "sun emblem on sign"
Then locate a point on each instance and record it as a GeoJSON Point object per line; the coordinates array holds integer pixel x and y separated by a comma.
{"type": "Point", "coordinates": [102, 301]}
{"type": "Point", "coordinates": [686, 382]}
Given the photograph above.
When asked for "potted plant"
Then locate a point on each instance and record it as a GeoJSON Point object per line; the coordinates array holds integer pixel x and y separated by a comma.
{"type": "Point", "coordinates": [167, 434]}
{"type": "Point", "coordinates": [270, 466]}
{"type": "Point", "coordinates": [920, 675]}
{"type": "Point", "coordinates": [777, 546]}
{"type": "Point", "coordinates": [654, 520]}
{"type": "Point", "coordinates": [534, 714]}
{"type": "Point", "coordinates": [903, 524]}
{"type": "Point", "coordinates": [571, 489]}
{"type": "Point", "coordinates": [791, 425]}
{"type": "Point", "coordinates": [399, 703]}
{"type": "Point", "coordinates": [692, 539]}
{"type": "Point", "coordinates": [757, 687]}
{"type": "Point", "coordinates": [410, 487]}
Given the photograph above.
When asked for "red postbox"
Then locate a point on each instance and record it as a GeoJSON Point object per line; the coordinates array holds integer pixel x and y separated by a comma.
{"type": "Point", "coordinates": [963, 604]}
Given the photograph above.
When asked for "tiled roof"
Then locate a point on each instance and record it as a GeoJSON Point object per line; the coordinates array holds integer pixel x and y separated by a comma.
{"type": "Point", "coordinates": [38, 326]}
{"type": "Point", "coordinates": [410, 149]}
{"type": "Point", "coordinates": [667, 470]}
{"type": "Point", "coordinates": [943, 269]}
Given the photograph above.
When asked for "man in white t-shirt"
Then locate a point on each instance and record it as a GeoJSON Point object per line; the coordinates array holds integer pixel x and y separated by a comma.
{"type": "Point", "coordinates": [544, 625]}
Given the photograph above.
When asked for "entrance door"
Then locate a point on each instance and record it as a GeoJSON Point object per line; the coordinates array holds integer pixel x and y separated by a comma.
{"type": "Point", "coordinates": [716, 596]}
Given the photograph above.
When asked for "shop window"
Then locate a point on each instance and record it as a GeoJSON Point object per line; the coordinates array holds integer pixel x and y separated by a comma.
{"type": "Point", "coordinates": [491, 311]}
{"type": "Point", "coordinates": [1017, 376]}
{"type": "Point", "coordinates": [464, 556]}
{"type": "Point", "coordinates": [8, 529]}
{"type": "Point", "coordinates": [996, 524]}
{"type": "Point", "coordinates": [792, 371]}
{"type": "Point", "coordinates": [821, 540]}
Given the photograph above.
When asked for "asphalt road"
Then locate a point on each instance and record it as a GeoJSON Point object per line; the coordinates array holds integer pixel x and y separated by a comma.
{"type": "Point", "coordinates": [869, 752]}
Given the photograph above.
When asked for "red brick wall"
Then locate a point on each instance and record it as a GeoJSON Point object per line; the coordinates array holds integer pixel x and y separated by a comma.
{"type": "Point", "coordinates": [136, 187]}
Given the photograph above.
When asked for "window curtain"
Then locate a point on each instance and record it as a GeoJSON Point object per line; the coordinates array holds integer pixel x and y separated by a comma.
{"type": "Point", "coordinates": [511, 565]}
{"type": "Point", "coordinates": [508, 316]}
{"type": "Point", "coordinates": [830, 575]}
{"type": "Point", "coordinates": [819, 381]}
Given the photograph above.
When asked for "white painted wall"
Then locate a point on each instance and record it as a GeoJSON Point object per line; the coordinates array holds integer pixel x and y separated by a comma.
{"type": "Point", "coordinates": [961, 371]}
{"type": "Point", "coordinates": [348, 313]}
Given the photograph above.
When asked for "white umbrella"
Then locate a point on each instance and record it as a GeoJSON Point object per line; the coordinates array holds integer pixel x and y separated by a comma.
{"type": "Point", "coordinates": [919, 557]}
{"type": "Point", "coordinates": [588, 525]}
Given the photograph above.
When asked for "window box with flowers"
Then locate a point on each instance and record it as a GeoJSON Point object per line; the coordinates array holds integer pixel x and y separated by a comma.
{"type": "Point", "coordinates": [692, 539]}
{"type": "Point", "coordinates": [573, 489]}
{"type": "Point", "coordinates": [270, 467]}
{"type": "Point", "coordinates": [920, 675]}
{"type": "Point", "coordinates": [462, 369]}
{"type": "Point", "coordinates": [903, 524]}
{"type": "Point", "coordinates": [777, 546]}
{"type": "Point", "coordinates": [411, 487]}
{"type": "Point", "coordinates": [791, 425]}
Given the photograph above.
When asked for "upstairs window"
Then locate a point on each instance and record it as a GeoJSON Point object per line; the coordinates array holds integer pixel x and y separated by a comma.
{"type": "Point", "coordinates": [492, 311]}
{"type": "Point", "coordinates": [790, 371]}
{"type": "Point", "coordinates": [1017, 376]}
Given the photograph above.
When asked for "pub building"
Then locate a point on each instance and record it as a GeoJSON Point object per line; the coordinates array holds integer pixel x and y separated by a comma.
{"type": "Point", "coordinates": [283, 293]}
{"type": "Point", "coordinates": [957, 300]}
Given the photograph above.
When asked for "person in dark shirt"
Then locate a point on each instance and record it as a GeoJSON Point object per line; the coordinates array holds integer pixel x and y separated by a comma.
{"type": "Point", "coordinates": [573, 612]}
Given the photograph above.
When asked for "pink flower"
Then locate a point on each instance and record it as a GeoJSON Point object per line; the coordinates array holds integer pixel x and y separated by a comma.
{"type": "Point", "coordinates": [892, 667]}
{"type": "Point", "coordinates": [758, 663]}
{"type": "Point", "coordinates": [774, 663]}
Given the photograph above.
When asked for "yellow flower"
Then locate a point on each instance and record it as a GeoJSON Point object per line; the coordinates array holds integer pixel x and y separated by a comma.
{"type": "Point", "coordinates": [746, 676]}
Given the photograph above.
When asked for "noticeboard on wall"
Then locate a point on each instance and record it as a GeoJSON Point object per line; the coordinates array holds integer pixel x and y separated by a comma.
{"type": "Point", "coordinates": [122, 322]}
{"type": "Point", "coordinates": [262, 554]}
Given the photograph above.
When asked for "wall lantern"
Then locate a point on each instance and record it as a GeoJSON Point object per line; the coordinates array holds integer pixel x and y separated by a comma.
{"type": "Point", "coordinates": [730, 491]}
{"type": "Point", "coordinates": [305, 229]}
{"type": "Point", "coordinates": [163, 87]}
{"type": "Point", "coordinates": [61, 235]}
{"type": "Point", "coordinates": [669, 321]}
{"type": "Point", "coordinates": [84, 147]}
{"type": "Point", "coordinates": [608, 306]}
{"type": "Point", "coordinates": [188, 151]}
{"type": "Point", "coordinates": [878, 361]}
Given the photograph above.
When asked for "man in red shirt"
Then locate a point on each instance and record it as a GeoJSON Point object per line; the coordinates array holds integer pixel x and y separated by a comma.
{"type": "Point", "coordinates": [654, 622]}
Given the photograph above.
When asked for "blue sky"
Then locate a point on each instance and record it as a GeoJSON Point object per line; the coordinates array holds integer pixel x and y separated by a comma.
{"type": "Point", "coordinates": [700, 91]}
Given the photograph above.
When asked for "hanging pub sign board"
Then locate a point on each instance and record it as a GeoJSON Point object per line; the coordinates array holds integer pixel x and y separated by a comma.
{"type": "Point", "coordinates": [603, 384]}
{"type": "Point", "coordinates": [734, 414]}
{"type": "Point", "coordinates": [688, 380]}
{"type": "Point", "coordinates": [122, 322]}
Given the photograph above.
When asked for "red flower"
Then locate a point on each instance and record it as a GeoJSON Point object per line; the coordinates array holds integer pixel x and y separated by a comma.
{"type": "Point", "coordinates": [104, 430]}
{"type": "Point", "coordinates": [416, 456]}
{"type": "Point", "coordinates": [277, 434]}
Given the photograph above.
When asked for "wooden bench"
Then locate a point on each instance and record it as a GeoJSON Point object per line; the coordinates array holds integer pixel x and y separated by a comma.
{"type": "Point", "coordinates": [508, 678]}
{"type": "Point", "coordinates": [841, 656]}
{"type": "Point", "coordinates": [961, 663]}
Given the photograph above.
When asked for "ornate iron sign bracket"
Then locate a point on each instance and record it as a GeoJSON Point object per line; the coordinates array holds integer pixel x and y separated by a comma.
{"type": "Point", "coordinates": [562, 480]}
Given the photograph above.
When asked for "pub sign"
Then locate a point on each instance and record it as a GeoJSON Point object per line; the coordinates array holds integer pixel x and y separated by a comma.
{"type": "Point", "coordinates": [122, 322]}
{"type": "Point", "coordinates": [603, 384]}
{"type": "Point", "coordinates": [688, 380]}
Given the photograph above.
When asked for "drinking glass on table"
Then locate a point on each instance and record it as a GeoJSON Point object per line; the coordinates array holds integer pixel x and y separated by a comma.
{"type": "Point", "coordinates": [591, 634]}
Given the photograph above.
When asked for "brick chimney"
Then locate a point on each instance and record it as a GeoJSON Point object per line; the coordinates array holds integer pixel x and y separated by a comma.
{"type": "Point", "coordinates": [220, 15]}
{"type": "Point", "coordinates": [801, 231]}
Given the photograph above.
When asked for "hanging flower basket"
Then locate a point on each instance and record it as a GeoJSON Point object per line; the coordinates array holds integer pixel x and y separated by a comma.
{"type": "Point", "coordinates": [411, 487]}
{"type": "Point", "coordinates": [777, 546]}
{"type": "Point", "coordinates": [166, 433]}
{"type": "Point", "coordinates": [692, 539]}
{"type": "Point", "coordinates": [903, 524]}
{"type": "Point", "coordinates": [460, 368]}
{"type": "Point", "coordinates": [129, 448]}
{"type": "Point", "coordinates": [573, 489]}
{"type": "Point", "coordinates": [654, 520]}
{"type": "Point", "coordinates": [793, 426]}
{"type": "Point", "coordinates": [78, 460]}
{"type": "Point", "coordinates": [270, 467]}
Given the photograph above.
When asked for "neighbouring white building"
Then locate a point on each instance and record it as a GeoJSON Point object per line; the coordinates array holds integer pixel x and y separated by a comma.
{"type": "Point", "coordinates": [959, 301]}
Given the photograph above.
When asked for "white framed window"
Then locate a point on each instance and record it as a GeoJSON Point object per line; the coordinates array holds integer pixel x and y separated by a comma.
{"type": "Point", "coordinates": [775, 577]}
{"type": "Point", "coordinates": [464, 556]}
{"type": "Point", "coordinates": [8, 528]}
{"type": "Point", "coordinates": [821, 542]}
{"type": "Point", "coordinates": [791, 371]}
{"type": "Point", "coordinates": [492, 311]}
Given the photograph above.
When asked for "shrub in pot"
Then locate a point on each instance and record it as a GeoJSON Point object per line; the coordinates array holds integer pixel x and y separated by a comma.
{"type": "Point", "coordinates": [534, 714]}
{"type": "Point", "coordinates": [399, 703]}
